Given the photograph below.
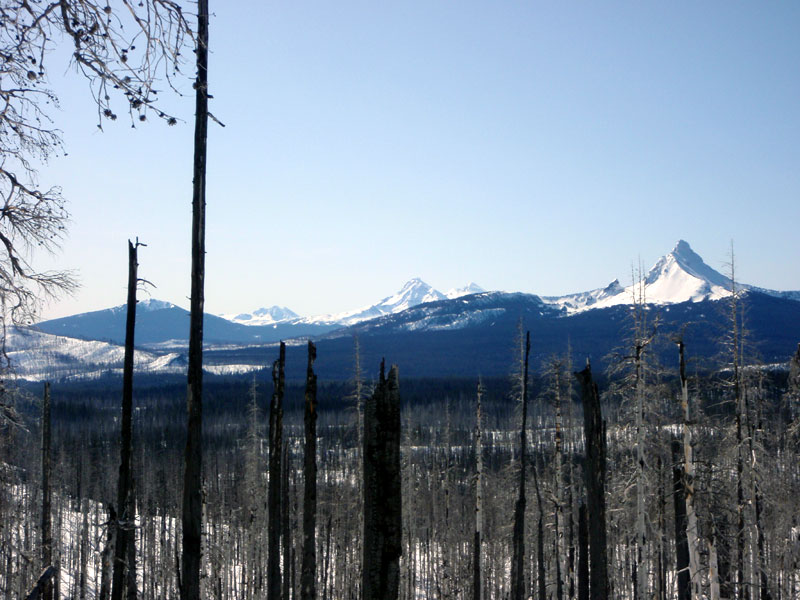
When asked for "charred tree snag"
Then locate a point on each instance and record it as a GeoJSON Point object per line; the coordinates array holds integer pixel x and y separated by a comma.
{"type": "Point", "coordinates": [518, 541]}
{"type": "Point", "coordinates": [286, 542]}
{"type": "Point", "coordinates": [595, 478]}
{"type": "Point", "coordinates": [126, 537]}
{"type": "Point", "coordinates": [275, 480]}
{"type": "Point", "coordinates": [476, 549]}
{"type": "Point", "coordinates": [681, 541]}
{"type": "Point", "coordinates": [583, 553]}
{"type": "Point", "coordinates": [382, 491]}
{"type": "Point", "coordinates": [192, 509]}
{"type": "Point", "coordinates": [46, 524]}
{"type": "Point", "coordinates": [689, 479]}
{"type": "Point", "coordinates": [308, 573]}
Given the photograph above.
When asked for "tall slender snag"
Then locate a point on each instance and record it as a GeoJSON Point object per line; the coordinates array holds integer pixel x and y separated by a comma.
{"type": "Point", "coordinates": [125, 523]}
{"type": "Point", "coordinates": [46, 523]}
{"type": "Point", "coordinates": [561, 554]}
{"type": "Point", "coordinates": [192, 513]}
{"type": "Point", "coordinates": [275, 479]}
{"type": "Point", "coordinates": [583, 553]}
{"type": "Point", "coordinates": [286, 533]}
{"type": "Point", "coordinates": [518, 541]}
{"type": "Point", "coordinates": [692, 532]}
{"type": "Point", "coordinates": [477, 587]}
{"type": "Point", "coordinates": [308, 573]}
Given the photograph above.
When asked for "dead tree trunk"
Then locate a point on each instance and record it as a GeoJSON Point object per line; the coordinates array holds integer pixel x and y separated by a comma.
{"type": "Point", "coordinates": [383, 521]}
{"type": "Point", "coordinates": [477, 586]}
{"type": "Point", "coordinates": [45, 582]}
{"type": "Point", "coordinates": [107, 555]}
{"type": "Point", "coordinates": [46, 523]}
{"type": "Point", "coordinates": [688, 484]}
{"type": "Point", "coordinates": [308, 573]}
{"type": "Point", "coordinates": [275, 479]}
{"type": "Point", "coordinates": [560, 558]}
{"type": "Point", "coordinates": [595, 478]}
{"type": "Point", "coordinates": [125, 524]}
{"type": "Point", "coordinates": [285, 525]}
{"type": "Point", "coordinates": [192, 509]}
{"type": "Point", "coordinates": [583, 553]}
{"type": "Point", "coordinates": [518, 540]}
{"type": "Point", "coordinates": [681, 542]}
{"type": "Point", "coordinates": [540, 571]}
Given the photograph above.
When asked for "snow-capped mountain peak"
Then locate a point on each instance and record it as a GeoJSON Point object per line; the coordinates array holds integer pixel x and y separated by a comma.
{"type": "Point", "coordinates": [470, 288]}
{"type": "Point", "coordinates": [264, 316]}
{"type": "Point", "coordinates": [690, 263]}
{"type": "Point", "coordinates": [678, 276]}
{"type": "Point", "coordinates": [151, 304]}
{"type": "Point", "coordinates": [412, 293]}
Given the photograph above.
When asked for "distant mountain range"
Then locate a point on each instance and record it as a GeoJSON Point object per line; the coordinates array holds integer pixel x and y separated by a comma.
{"type": "Point", "coordinates": [435, 332]}
{"type": "Point", "coordinates": [413, 293]}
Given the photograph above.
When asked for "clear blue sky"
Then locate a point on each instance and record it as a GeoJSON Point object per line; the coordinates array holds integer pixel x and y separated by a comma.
{"type": "Point", "coordinates": [528, 146]}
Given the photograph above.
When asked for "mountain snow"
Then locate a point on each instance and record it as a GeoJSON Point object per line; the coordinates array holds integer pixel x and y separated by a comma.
{"type": "Point", "coordinates": [413, 293]}
{"type": "Point", "coordinates": [151, 304]}
{"type": "Point", "coordinates": [679, 276]}
{"type": "Point", "coordinates": [263, 316]}
{"type": "Point", "coordinates": [470, 288]}
{"type": "Point", "coordinates": [38, 356]}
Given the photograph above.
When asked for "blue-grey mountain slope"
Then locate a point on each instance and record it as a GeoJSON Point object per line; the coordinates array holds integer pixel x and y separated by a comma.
{"type": "Point", "coordinates": [162, 323]}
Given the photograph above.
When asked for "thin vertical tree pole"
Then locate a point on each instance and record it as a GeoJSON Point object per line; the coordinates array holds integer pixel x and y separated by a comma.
{"type": "Point", "coordinates": [559, 516]}
{"type": "Point", "coordinates": [46, 523]}
{"type": "Point", "coordinates": [308, 573]}
{"type": "Point", "coordinates": [125, 522]}
{"type": "Point", "coordinates": [583, 553]}
{"type": "Point", "coordinates": [642, 570]}
{"type": "Point", "coordinates": [274, 492]}
{"type": "Point", "coordinates": [192, 513]}
{"type": "Point", "coordinates": [372, 545]}
{"type": "Point", "coordinates": [692, 530]}
{"type": "Point", "coordinates": [286, 534]}
{"type": "Point", "coordinates": [518, 541]}
{"type": "Point", "coordinates": [477, 587]}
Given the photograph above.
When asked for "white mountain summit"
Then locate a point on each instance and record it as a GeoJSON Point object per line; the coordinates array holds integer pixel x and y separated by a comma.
{"type": "Point", "coordinates": [679, 276]}
{"type": "Point", "coordinates": [414, 292]}
{"type": "Point", "coordinates": [470, 288]}
{"type": "Point", "coordinates": [263, 316]}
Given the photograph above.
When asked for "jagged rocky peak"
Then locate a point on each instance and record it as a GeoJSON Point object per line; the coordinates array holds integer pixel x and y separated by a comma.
{"type": "Point", "coordinates": [613, 288]}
